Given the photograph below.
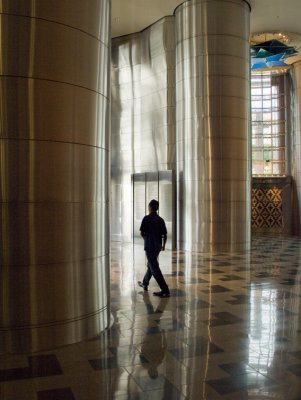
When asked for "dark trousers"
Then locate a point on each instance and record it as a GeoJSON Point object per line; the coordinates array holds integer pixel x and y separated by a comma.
{"type": "Point", "coordinates": [153, 269]}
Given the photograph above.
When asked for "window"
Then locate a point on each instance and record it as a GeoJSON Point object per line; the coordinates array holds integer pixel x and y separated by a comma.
{"type": "Point", "coordinates": [268, 124]}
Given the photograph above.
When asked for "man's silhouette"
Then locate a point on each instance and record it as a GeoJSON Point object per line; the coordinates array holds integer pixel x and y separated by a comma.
{"type": "Point", "coordinates": [153, 230]}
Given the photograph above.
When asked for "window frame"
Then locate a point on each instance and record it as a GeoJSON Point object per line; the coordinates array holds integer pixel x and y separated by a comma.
{"type": "Point", "coordinates": [268, 124]}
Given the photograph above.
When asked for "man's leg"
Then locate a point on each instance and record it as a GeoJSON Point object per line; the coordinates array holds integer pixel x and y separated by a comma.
{"type": "Point", "coordinates": [147, 276]}
{"type": "Point", "coordinates": [154, 268]}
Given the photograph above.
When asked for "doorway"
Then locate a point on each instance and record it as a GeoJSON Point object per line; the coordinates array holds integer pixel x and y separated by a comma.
{"type": "Point", "coordinates": [159, 186]}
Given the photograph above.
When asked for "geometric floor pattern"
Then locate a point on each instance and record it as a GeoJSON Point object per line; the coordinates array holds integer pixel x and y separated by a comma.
{"type": "Point", "coordinates": [230, 330]}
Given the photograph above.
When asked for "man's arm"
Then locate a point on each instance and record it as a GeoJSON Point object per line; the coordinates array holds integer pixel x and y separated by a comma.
{"type": "Point", "coordinates": [142, 228]}
{"type": "Point", "coordinates": [164, 234]}
{"type": "Point", "coordinates": [164, 242]}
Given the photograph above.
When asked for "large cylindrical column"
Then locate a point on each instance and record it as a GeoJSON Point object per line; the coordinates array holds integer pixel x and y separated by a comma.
{"type": "Point", "coordinates": [296, 147]}
{"type": "Point", "coordinates": [54, 172]}
{"type": "Point", "coordinates": [213, 120]}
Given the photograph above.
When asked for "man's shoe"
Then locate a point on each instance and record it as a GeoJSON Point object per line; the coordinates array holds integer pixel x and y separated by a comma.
{"type": "Point", "coordinates": [144, 287]}
{"type": "Point", "coordinates": [162, 294]}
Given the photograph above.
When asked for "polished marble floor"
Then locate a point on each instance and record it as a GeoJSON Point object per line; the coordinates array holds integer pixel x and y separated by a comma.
{"type": "Point", "coordinates": [230, 330]}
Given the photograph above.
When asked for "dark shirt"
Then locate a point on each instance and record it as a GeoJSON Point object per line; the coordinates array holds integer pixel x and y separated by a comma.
{"type": "Point", "coordinates": [153, 227]}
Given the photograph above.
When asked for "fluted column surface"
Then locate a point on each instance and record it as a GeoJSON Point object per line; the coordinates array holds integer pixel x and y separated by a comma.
{"type": "Point", "coordinates": [54, 172]}
{"type": "Point", "coordinates": [213, 135]}
{"type": "Point", "coordinates": [143, 113]}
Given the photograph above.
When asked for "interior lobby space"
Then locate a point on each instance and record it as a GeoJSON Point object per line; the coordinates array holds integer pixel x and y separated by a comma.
{"type": "Point", "coordinates": [106, 105]}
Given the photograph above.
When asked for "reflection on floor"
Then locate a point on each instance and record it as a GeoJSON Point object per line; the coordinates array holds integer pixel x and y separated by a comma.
{"type": "Point", "coordinates": [230, 330]}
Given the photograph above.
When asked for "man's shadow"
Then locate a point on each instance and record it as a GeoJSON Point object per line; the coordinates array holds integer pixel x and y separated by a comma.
{"type": "Point", "coordinates": [154, 344]}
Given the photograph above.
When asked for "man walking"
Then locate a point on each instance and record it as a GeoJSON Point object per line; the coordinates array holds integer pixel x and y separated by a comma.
{"type": "Point", "coordinates": [153, 230]}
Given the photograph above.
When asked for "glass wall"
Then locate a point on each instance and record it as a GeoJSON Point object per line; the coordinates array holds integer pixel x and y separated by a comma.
{"type": "Point", "coordinates": [268, 124]}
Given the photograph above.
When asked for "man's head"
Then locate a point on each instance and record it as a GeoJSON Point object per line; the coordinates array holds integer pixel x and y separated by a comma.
{"type": "Point", "coordinates": [153, 205]}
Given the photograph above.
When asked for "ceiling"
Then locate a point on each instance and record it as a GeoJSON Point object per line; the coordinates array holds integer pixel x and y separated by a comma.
{"type": "Point", "coordinates": [129, 16]}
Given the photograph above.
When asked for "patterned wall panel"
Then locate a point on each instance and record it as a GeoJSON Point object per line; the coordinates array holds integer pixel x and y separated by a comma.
{"type": "Point", "coordinates": [267, 208]}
